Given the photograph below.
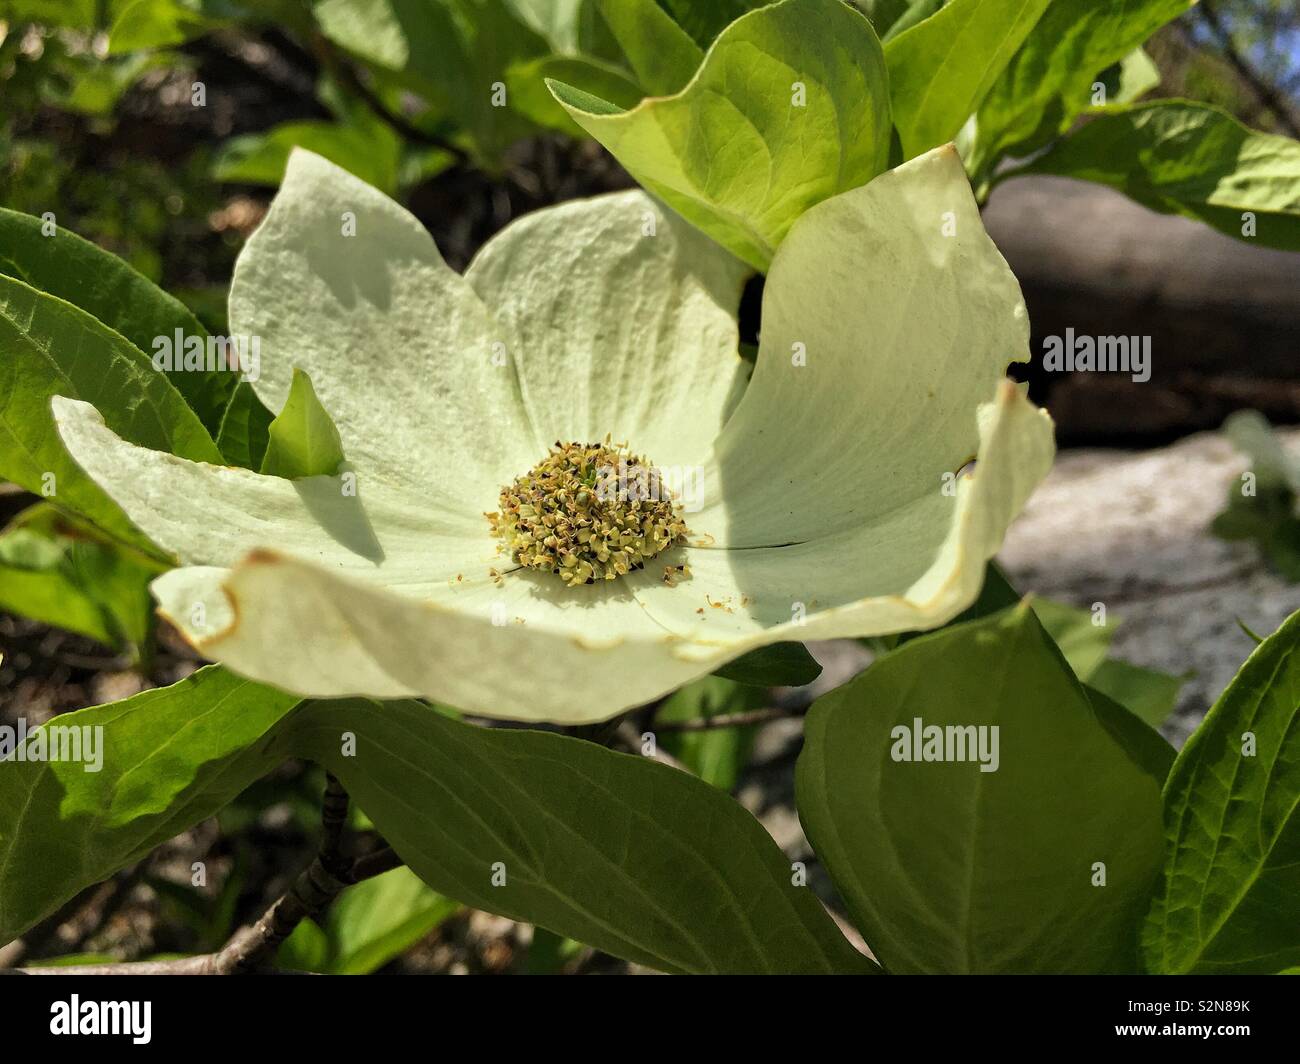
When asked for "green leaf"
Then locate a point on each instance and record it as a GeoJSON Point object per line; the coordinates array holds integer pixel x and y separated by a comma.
{"type": "Point", "coordinates": [166, 23]}
{"type": "Point", "coordinates": [1146, 746]}
{"type": "Point", "coordinates": [1131, 78]}
{"type": "Point", "coordinates": [1263, 509]}
{"type": "Point", "coordinates": [949, 868]}
{"type": "Point", "coordinates": [302, 440]}
{"type": "Point", "coordinates": [941, 69]}
{"type": "Point", "coordinates": [1049, 80]}
{"type": "Point", "coordinates": [660, 53]}
{"type": "Point", "coordinates": [101, 284]}
{"type": "Point", "coordinates": [49, 347]}
{"type": "Point", "coordinates": [1147, 693]}
{"type": "Point", "coordinates": [529, 96]}
{"type": "Point", "coordinates": [775, 665]}
{"type": "Point", "coordinates": [245, 428]}
{"type": "Point", "coordinates": [1269, 518]}
{"type": "Point", "coordinates": [372, 151]}
{"type": "Point", "coordinates": [60, 573]}
{"type": "Point", "coordinates": [452, 52]}
{"type": "Point", "coordinates": [1230, 898]}
{"type": "Point", "coordinates": [716, 755]}
{"type": "Point", "coordinates": [616, 851]}
{"type": "Point", "coordinates": [78, 14]}
{"type": "Point", "coordinates": [95, 85]}
{"type": "Point", "coordinates": [918, 11]}
{"type": "Point", "coordinates": [548, 952]}
{"type": "Point", "coordinates": [1082, 642]}
{"type": "Point", "coordinates": [884, 13]}
{"type": "Point", "coordinates": [790, 106]}
{"type": "Point", "coordinates": [368, 926]}
{"type": "Point", "coordinates": [1190, 159]}
{"type": "Point", "coordinates": [1254, 437]}
{"type": "Point", "coordinates": [167, 759]}
{"type": "Point", "coordinates": [703, 22]}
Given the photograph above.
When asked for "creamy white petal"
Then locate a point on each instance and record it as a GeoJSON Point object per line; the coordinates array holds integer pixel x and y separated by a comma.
{"type": "Point", "coordinates": [304, 629]}
{"type": "Point", "coordinates": [624, 320]}
{"type": "Point", "coordinates": [905, 316]}
{"type": "Point", "coordinates": [399, 348]}
{"type": "Point", "coordinates": [914, 567]}
{"type": "Point", "coordinates": [215, 515]}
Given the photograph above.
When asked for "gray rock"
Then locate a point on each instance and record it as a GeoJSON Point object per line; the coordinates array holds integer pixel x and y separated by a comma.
{"type": "Point", "coordinates": [1131, 530]}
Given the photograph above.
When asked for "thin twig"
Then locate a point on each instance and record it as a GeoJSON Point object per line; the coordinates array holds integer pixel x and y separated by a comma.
{"type": "Point", "coordinates": [630, 739]}
{"type": "Point", "coordinates": [730, 720]}
{"type": "Point", "coordinates": [311, 894]}
{"type": "Point", "coordinates": [1267, 93]}
{"type": "Point", "coordinates": [248, 949]}
{"type": "Point", "coordinates": [334, 817]}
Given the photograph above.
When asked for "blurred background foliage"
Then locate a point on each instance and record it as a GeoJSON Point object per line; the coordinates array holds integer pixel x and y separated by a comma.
{"type": "Point", "coordinates": [158, 128]}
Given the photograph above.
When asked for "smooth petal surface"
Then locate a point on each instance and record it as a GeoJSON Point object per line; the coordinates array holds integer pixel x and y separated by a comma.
{"type": "Point", "coordinates": [398, 346]}
{"type": "Point", "coordinates": [913, 567]}
{"type": "Point", "coordinates": [904, 316]}
{"type": "Point", "coordinates": [624, 317]}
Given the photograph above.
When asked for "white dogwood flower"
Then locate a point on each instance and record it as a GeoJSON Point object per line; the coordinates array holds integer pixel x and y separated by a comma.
{"type": "Point", "coordinates": [829, 501]}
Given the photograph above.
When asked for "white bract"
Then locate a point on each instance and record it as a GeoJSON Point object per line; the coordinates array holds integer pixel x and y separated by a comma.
{"type": "Point", "coordinates": [829, 509]}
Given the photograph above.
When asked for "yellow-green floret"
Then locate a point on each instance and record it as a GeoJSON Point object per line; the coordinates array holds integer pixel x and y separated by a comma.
{"type": "Point", "coordinates": [588, 512]}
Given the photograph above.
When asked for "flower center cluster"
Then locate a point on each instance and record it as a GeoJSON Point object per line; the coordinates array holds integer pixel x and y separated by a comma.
{"type": "Point", "coordinates": [588, 511]}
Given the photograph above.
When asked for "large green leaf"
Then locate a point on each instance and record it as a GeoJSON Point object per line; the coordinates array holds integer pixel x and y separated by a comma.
{"type": "Point", "coordinates": [1049, 80]}
{"type": "Point", "coordinates": [1189, 159]}
{"type": "Point", "coordinates": [302, 441]}
{"type": "Point", "coordinates": [618, 851]}
{"type": "Point", "coordinates": [65, 265]}
{"type": "Point", "coordinates": [369, 925]}
{"type": "Point", "coordinates": [661, 54]}
{"type": "Point", "coordinates": [946, 867]}
{"type": "Point", "coordinates": [1230, 898]}
{"type": "Point", "coordinates": [58, 572]}
{"type": "Point", "coordinates": [49, 347]}
{"type": "Point", "coordinates": [790, 106]}
{"type": "Point", "coordinates": [941, 69]}
{"type": "Point", "coordinates": [168, 759]}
